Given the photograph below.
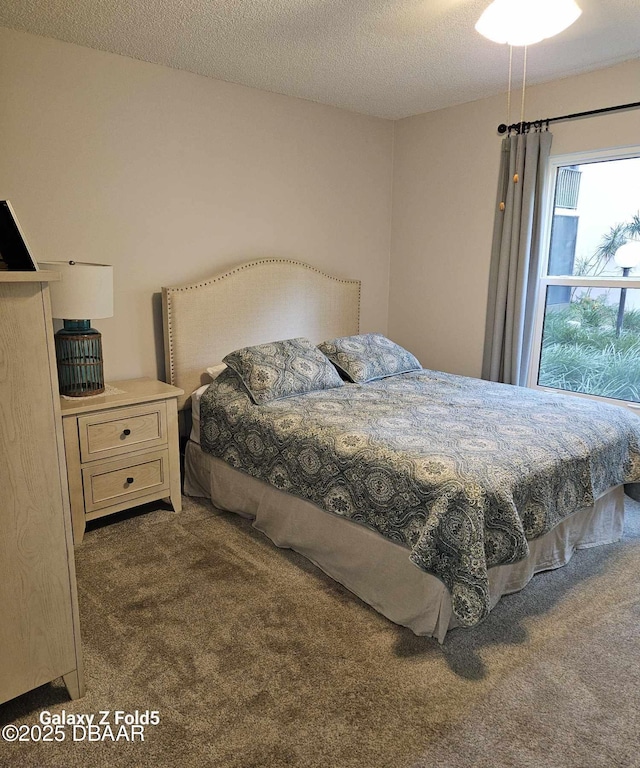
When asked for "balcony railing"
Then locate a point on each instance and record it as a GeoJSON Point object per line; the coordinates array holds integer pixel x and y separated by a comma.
{"type": "Point", "coordinates": [568, 187]}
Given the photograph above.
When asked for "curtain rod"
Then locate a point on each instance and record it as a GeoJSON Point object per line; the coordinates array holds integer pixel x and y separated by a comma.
{"type": "Point", "coordinates": [538, 124]}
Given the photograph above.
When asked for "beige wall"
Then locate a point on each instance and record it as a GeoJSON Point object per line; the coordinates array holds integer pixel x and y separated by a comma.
{"type": "Point", "coordinates": [445, 181]}
{"type": "Point", "coordinates": [171, 177]}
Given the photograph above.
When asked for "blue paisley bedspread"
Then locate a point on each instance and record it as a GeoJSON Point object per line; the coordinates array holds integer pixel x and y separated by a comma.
{"type": "Point", "coordinates": [462, 472]}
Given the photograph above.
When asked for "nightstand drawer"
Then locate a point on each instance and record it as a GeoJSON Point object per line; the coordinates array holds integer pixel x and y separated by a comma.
{"type": "Point", "coordinates": [122, 430]}
{"type": "Point", "coordinates": [113, 482]}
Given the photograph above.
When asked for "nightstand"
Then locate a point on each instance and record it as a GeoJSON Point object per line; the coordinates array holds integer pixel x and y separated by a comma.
{"type": "Point", "coordinates": [122, 449]}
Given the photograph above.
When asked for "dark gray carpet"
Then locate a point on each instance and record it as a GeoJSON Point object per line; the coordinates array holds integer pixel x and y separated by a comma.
{"type": "Point", "coordinates": [256, 659]}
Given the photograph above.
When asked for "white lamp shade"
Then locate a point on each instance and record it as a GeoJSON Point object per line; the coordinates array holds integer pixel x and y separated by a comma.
{"type": "Point", "coordinates": [628, 255]}
{"type": "Point", "coordinates": [525, 22]}
{"type": "Point", "coordinates": [85, 291]}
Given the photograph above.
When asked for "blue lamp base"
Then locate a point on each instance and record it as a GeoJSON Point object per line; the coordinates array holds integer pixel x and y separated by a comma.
{"type": "Point", "coordinates": [79, 357]}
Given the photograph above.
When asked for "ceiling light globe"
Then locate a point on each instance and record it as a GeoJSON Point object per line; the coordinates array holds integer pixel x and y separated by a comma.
{"type": "Point", "coordinates": [525, 22]}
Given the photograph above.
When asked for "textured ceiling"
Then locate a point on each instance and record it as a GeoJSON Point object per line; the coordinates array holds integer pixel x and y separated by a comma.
{"type": "Point", "coordinates": [390, 58]}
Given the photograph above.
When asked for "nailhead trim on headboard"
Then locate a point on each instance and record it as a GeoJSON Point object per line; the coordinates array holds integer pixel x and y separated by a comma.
{"type": "Point", "coordinates": [167, 293]}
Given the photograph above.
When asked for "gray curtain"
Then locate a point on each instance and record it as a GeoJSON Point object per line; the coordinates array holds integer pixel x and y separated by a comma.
{"type": "Point", "coordinates": [515, 258]}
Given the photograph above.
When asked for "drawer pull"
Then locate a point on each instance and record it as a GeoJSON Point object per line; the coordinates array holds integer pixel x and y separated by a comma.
{"type": "Point", "coordinates": [129, 480]}
{"type": "Point", "coordinates": [126, 432]}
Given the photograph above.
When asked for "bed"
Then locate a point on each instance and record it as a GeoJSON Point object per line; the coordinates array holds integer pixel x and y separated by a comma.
{"type": "Point", "coordinates": [427, 555]}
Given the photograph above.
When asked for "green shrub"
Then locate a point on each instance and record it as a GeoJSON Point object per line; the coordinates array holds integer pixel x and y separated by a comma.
{"type": "Point", "coordinates": [581, 352]}
{"type": "Point", "coordinates": [608, 372]}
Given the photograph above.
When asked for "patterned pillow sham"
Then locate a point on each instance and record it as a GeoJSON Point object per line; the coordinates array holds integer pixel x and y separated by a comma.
{"type": "Point", "coordinates": [368, 357]}
{"type": "Point", "coordinates": [282, 369]}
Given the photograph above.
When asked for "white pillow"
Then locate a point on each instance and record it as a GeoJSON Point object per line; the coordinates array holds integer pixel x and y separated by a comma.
{"type": "Point", "coordinates": [195, 412]}
{"type": "Point", "coordinates": [216, 370]}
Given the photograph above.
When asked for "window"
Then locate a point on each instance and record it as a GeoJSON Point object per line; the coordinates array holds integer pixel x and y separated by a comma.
{"type": "Point", "coordinates": [587, 330]}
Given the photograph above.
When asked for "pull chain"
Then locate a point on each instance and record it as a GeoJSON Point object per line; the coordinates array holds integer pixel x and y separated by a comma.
{"type": "Point", "coordinates": [502, 205]}
{"type": "Point", "coordinates": [509, 88]}
{"type": "Point", "coordinates": [516, 177]}
{"type": "Point", "coordinates": [524, 83]}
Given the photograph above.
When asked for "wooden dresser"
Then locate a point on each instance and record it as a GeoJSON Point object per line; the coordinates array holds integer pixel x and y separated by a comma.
{"type": "Point", "coordinates": [39, 623]}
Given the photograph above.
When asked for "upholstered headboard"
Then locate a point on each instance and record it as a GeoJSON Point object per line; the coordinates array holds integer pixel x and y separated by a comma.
{"type": "Point", "coordinates": [252, 304]}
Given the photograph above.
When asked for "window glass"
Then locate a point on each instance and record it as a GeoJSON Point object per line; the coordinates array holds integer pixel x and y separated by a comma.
{"type": "Point", "coordinates": [591, 341]}
{"type": "Point", "coordinates": [587, 327]}
{"type": "Point", "coordinates": [596, 208]}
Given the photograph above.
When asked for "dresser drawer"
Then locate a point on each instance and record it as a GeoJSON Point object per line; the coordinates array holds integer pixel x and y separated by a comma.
{"type": "Point", "coordinates": [113, 482]}
{"type": "Point", "coordinates": [122, 430]}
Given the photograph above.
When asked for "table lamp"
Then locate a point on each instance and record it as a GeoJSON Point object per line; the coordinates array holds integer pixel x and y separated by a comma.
{"type": "Point", "coordinates": [85, 290]}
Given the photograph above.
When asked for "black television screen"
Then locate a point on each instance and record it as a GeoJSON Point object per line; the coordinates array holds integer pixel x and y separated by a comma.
{"type": "Point", "coordinates": [14, 251]}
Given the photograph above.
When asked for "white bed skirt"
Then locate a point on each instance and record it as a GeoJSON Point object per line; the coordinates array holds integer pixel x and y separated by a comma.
{"type": "Point", "coordinates": [376, 569]}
